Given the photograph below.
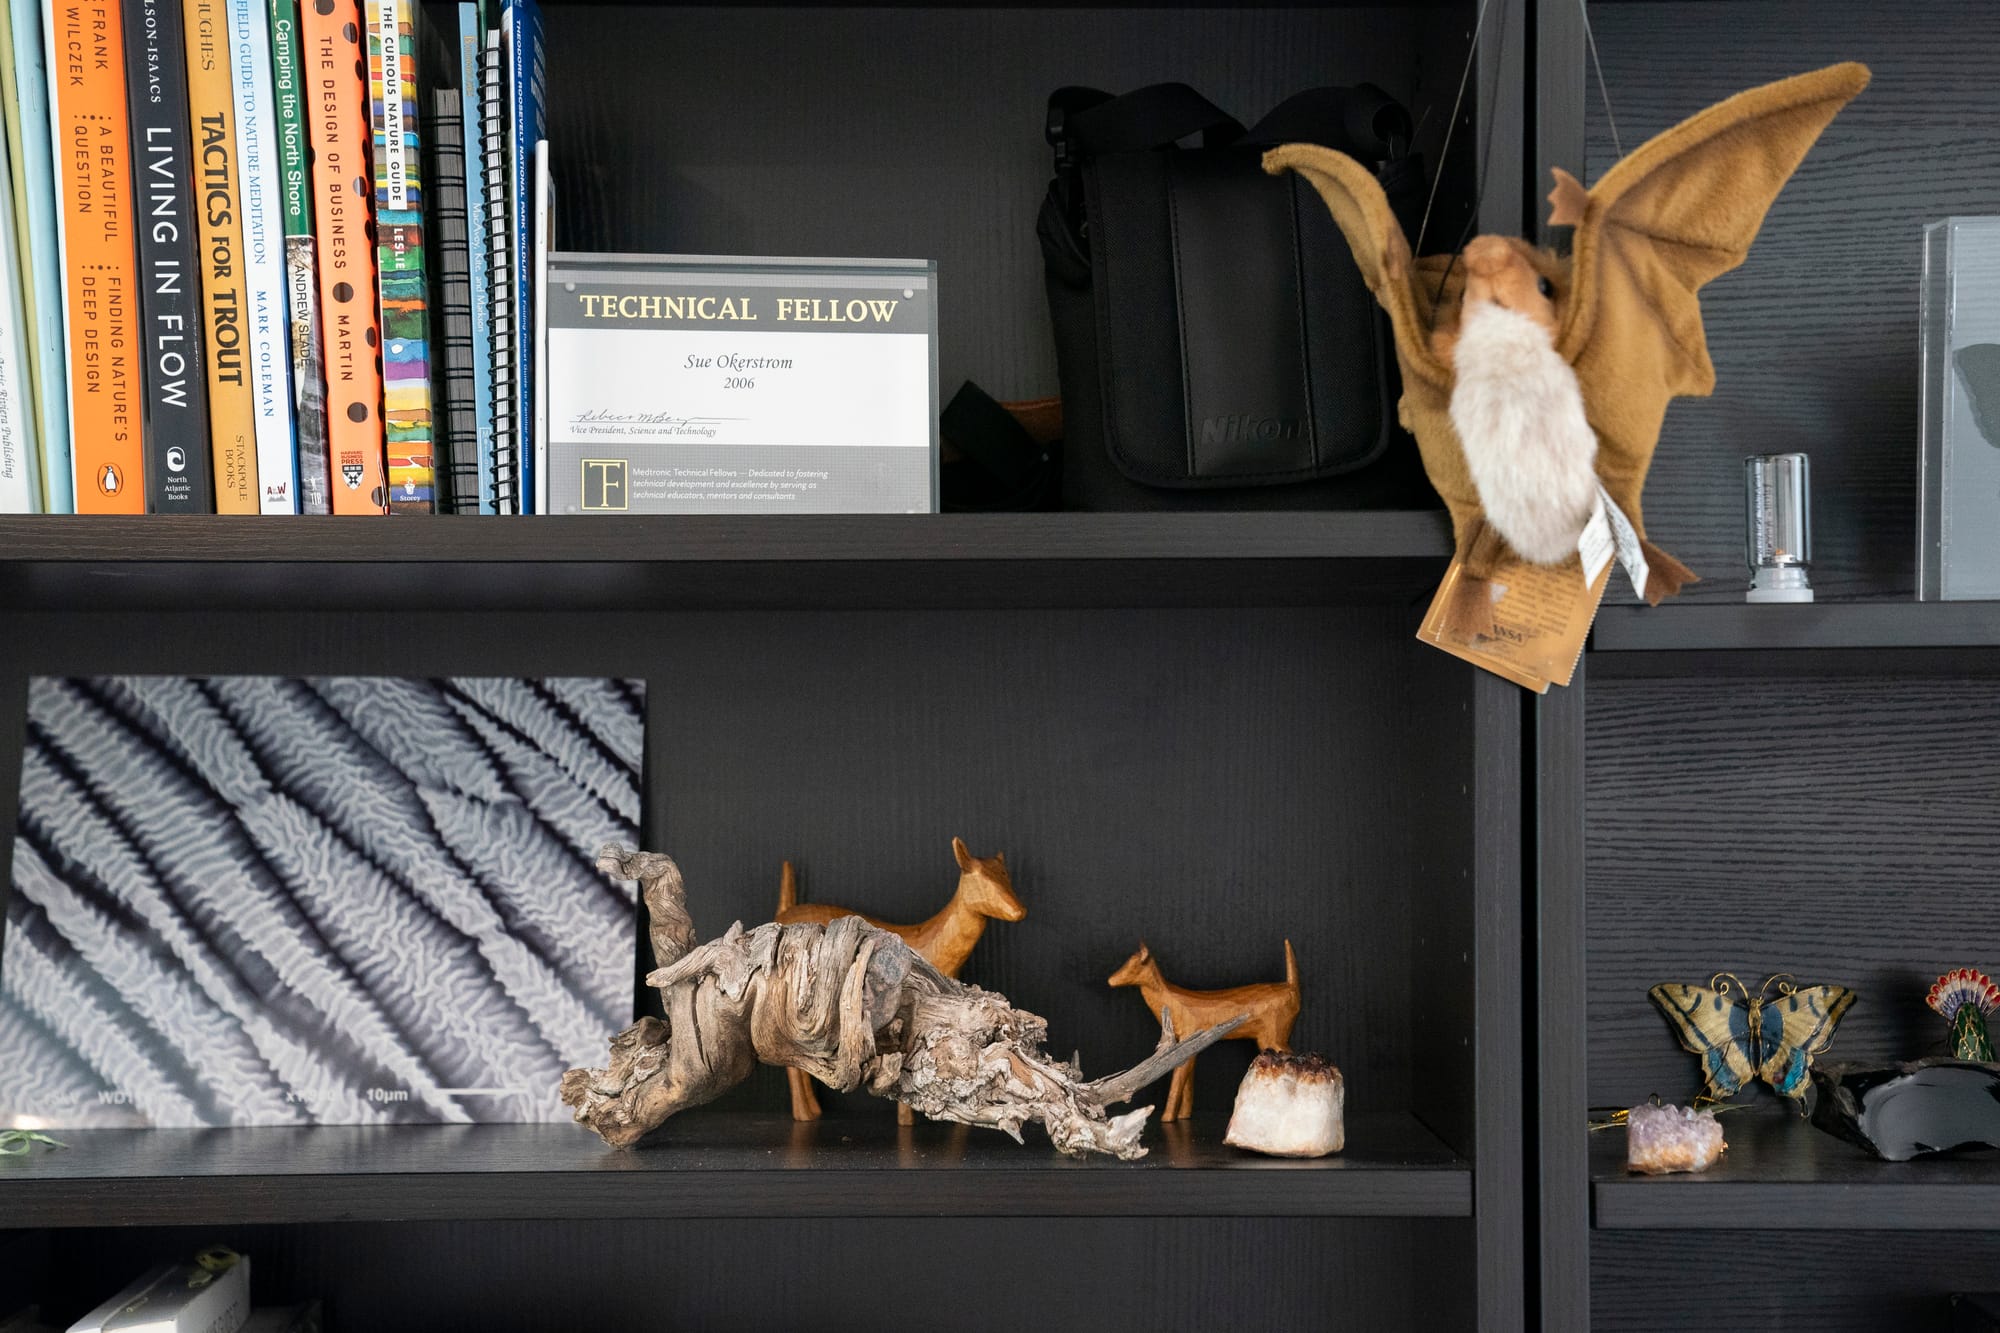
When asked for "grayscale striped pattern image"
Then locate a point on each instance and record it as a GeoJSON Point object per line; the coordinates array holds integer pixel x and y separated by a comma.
{"type": "Point", "coordinates": [251, 901]}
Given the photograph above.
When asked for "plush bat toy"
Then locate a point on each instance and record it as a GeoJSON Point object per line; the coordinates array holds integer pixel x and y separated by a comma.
{"type": "Point", "coordinates": [1528, 379]}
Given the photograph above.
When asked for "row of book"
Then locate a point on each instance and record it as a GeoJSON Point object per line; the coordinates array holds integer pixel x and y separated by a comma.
{"type": "Point", "coordinates": [267, 256]}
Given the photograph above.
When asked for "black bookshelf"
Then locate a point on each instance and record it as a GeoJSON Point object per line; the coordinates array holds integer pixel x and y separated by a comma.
{"type": "Point", "coordinates": [711, 1165]}
{"type": "Point", "coordinates": [787, 561]}
{"type": "Point", "coordinates": [1792, 1177]}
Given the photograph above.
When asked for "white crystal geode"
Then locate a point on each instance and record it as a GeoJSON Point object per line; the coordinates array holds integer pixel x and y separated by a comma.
{"type": "Point", "coordinates": [1289, 1106]}
{"type": "Point", "coordinates": [1660, 1140]}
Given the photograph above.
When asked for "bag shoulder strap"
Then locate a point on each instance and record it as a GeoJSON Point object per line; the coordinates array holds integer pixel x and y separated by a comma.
{"type": "Point", "coordinates": [1087, 122]}
{"type": "Point", "coordinates": [1363, 121]}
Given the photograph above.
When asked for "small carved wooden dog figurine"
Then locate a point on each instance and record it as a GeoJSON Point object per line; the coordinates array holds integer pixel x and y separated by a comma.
{"type": "Point", "coordinates": [1272, 1006]}
{"type": "Point", "coordinates": [985, 892]}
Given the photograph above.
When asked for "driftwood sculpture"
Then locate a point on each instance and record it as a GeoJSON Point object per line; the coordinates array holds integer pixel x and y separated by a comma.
{"type": "Point", "coordinates": [1269, 1009]}
{"type": "Point", "coordinates": [985, 892]}
{"type": "Point", "coordinates": [855, 1007]}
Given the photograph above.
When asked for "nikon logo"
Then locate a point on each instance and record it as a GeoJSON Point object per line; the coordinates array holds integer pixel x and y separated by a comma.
{"type": "Point", "coordinates": [1237, 429]}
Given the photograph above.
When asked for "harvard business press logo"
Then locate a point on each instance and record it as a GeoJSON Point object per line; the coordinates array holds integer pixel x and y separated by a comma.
{"type": "Point", "coordinates": [604, 483]}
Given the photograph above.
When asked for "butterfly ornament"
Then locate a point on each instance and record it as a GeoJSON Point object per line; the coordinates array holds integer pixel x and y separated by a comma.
{"type": "Point", "coordinates": [1741, 1035]}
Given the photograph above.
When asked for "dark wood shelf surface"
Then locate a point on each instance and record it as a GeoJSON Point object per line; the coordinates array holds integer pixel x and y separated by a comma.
{"type": "Point", "coordinates": [806, 560]}
{"type": "Point", "coordinates": [1740, 627]}
{"type": "Point", "coordinates": [1781, 1173]}
{"type": "Point", "coordinates": [710, 1165]}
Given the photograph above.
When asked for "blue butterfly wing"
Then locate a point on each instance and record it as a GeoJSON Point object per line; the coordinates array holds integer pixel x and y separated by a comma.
{"type": "Point", "coordinates": [1793, 1029]}
{"type": "Point", "coordinates": [1714, 1027]}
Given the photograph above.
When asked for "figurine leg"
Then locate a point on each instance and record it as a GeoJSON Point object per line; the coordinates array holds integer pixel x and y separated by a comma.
{"type": "Point", "coordinates": [805, 1106]}
{"type": "Point", "coordinates": [1175, 1086]}
{"type": "Point", "coordinates": [1187, 1095]}
{"type": "Point", "coordinates": [904, 1115]}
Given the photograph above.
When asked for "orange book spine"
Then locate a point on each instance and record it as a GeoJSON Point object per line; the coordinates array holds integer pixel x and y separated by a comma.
{"type": "Point", "coordinates": [100, 264]}
{"type": "Point", "coordinates": [337, 115]}
{"type": "Point", "coordinates": [232, 398]}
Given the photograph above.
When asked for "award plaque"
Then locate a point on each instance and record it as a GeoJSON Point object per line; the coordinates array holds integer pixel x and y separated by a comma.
{"type": "Point", "coordinates": [703, 385]}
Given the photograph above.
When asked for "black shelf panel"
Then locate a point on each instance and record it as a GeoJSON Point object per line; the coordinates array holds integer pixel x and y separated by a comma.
{"type": "Point", "coordinates": [970, 561]}
{"type": "Point", "coordinates": [1781, 1173]}
{"type": "Point", "coordinates": [1733, 627]}
{"type": "Point", "coordinates": [710, 1165]}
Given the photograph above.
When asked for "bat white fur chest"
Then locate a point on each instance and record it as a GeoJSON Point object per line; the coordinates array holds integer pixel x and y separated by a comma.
{"type": "Point", "coordinates": [1518, 411]}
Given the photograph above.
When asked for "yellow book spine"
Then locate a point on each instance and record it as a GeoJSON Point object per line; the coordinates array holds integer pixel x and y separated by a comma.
{"type": "Point", "coordinates": [232, 405]}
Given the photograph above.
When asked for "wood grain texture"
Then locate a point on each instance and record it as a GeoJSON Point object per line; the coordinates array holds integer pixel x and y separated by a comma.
{"type": "Point", "coordinates": [706, 1165]}
{"type": "Point", "coordinates": [916, 133]}
{"type": "Point", "coordinates": [1792, 1176]}
{"type": "Point", "coordinates": [958, 560]}
{"type": "Point", "coordinates": [1864, 1282]}
{"type": "Point", "coordinates": [1815, 339]}
{"type": "Point", "coordinates": [720, 1275]}
{"type": "Point", "coordinates": [1838, 829]}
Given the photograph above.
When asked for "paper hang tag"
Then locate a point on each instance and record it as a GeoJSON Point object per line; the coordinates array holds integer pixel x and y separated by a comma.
{"type": "Point", "coordinates": [1596, 545]}
{"type": "Point", "coordinates": [1526, 623]}
{"type": "Point", "coordinates": [1631, 550]}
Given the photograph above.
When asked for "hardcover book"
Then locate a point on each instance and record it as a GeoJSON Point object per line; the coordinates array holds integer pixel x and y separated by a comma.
{"type": "Point", "coordinates": [301, 271]}
{"type": "Point", "coordinates": [94, 233]}
{"type": "Point", "coordinates": [402, 266]}
{"type": "Point", "coordinates": [20, 455]}
{"type": "Point", "coordinates": [266, 309]}
{"type": "Point", "coordinates": [175, 417]}
{"type": "Point", "coordinates": [232, 409]}
{"type": "Point", "coordinates": [337, 123]}
{"type": "Point", "coordinates": [24, 83]}
{"type": "Point", "coordinates": [339, 900]}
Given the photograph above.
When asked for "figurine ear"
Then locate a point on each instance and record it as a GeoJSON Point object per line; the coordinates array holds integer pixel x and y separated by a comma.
{"type": "Point", "coordinates": [1144, 952]}
{"type": "Point", "coordinates": [965, 859]}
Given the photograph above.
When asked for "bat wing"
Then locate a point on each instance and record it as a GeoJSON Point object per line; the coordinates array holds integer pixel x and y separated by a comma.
{"type": "Point", "coordinates": [1381, 251]}
{"type": "Point", "coordinates": [1796, 1027]}
{"type": "Point", "coordinates": [1675, 213]}
{"type": "Point", "coordinates": [1715, 1027]}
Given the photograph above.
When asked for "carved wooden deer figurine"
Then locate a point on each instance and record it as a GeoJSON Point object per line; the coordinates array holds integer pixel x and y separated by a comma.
{"type": "Point", "coordinates": [1271, 1006]}
{"type": "Point", "coordinates": [985, 892]}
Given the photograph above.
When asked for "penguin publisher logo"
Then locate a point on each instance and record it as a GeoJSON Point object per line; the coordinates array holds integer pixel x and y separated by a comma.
{"type": "Point", "coordinates": [110, 481]}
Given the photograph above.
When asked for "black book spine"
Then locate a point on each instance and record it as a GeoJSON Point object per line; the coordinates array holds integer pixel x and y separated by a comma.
{"type": "Point", "coordinates": [175, 416]}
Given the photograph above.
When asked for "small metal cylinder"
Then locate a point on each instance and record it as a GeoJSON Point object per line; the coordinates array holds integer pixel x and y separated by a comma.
{"type": "Point", "coordinates": [1777, 493]}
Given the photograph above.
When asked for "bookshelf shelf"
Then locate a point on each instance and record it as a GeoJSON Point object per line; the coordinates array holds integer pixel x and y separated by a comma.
{"type": "Point", "coordinates": [954, 560]}
{"type": "Point", "coordinates": [710, 1165]}
{"type": "Point", "coordinates": [1791, 1176]}
{"type": "Point", "coordinates": [1740, 627]}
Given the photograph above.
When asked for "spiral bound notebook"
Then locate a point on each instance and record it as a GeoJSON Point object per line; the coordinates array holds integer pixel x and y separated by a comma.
{"type": "Point", "coordinates": [500, 253]}
{"type": "Point", "coordinates": [458, 437]}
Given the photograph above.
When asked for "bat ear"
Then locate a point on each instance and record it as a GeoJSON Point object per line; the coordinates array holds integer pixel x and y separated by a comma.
{"type": "Point", "coordinates": [1568, 200]}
